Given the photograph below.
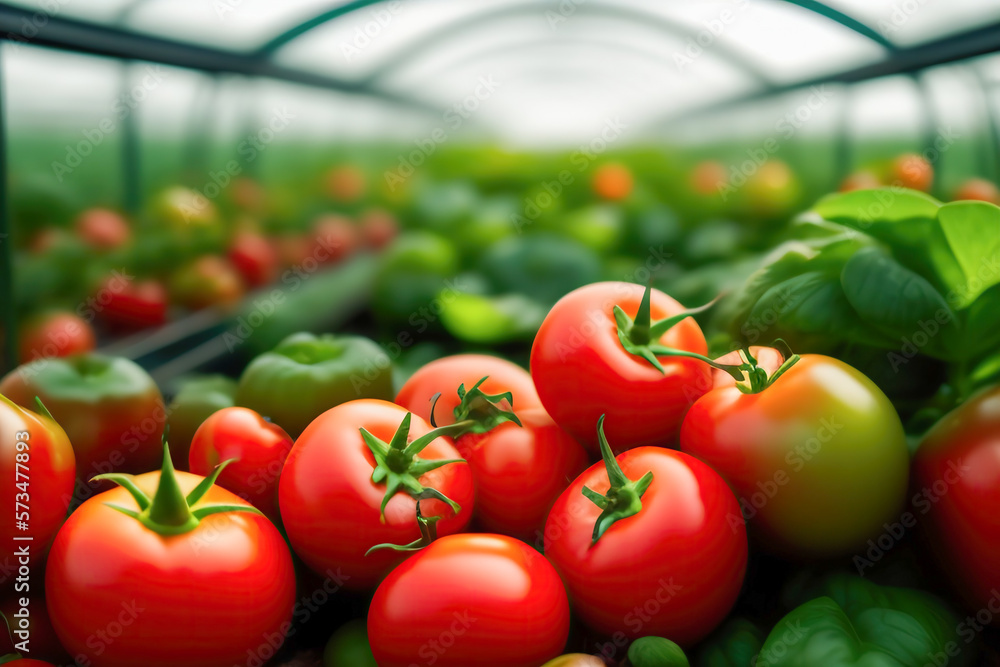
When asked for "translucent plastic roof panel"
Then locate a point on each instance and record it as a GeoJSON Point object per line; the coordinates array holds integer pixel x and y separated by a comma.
{"type": "Point", "coordinates": [907, 23]}
{"type": "Point", "coordinates": [98, 11]}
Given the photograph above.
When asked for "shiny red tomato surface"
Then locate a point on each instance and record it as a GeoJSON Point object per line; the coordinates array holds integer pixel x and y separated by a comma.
{"type": "Point", "coordinates": [259, 447]}
{"type": "Point", "coordinates": [519, 472]}
{"type": "Point", "coordinates": [673, 570]}
{"type": "Point", "coordinates": [55, 334]}
{"type": "Point", "coordinates": [582, 370]}
{"type": "Point", "coordinates": [956, 475]}
{"type": "Point", "coordinates": [446, 374]}
{"type": "Point", "coordinates": [471, 599]}
{"type": "Point", "coordinates": [330, 505]}
{"type": "Point", "coordinates": [122, 595]}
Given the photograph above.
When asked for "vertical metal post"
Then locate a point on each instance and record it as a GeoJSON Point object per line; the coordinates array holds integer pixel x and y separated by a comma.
{"type": "Point", "coordinates": [989, 156]}
{"type": "Point", "coordinates": [7, 305]}
{"type": "Point", "coordinates": [131, 150]}
{"type": "Point", "coordinates": [842, 147]}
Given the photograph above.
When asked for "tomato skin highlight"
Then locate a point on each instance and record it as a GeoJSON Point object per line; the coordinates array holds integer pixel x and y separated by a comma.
{"type": "Point", "coordinates": [682, 552]}
{"type": "Point", "coordinates": [259, 446]}
{"type": "Point", "coordinates": [818, 459]}
{"type": "Point", "coordinates": [582, 371]}
{"type": "Point", "coordinates": [330, 506]}
{"type": "Point", "coordinates": [519, 471]}
{"type": "Point", "coordinates": [489, 600]}
{"type": "Point", "coordinates": [444, 375]}
{"type": "Point", "coordinates": [50, 466]}
{"type": "Point", "coordinates": [199, 599]}
{"type": "Point", "coordinates": [956, 475]}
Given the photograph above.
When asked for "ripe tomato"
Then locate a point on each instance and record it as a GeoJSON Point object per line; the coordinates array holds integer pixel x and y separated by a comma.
{"type": "Point", "coordinates": [661, 558]}
{"type": "Point", "coordinates": [131, 305]}
{"type": "Point", "coordinates": [443, 376]}
{"type": "Point", "coordinates": [255, 258]}
{"type": "Point", "coordinates": [55, 334]}
{"type": "Point", "coordinates": [335, 238]}
{"type": "Point", "coordinates": [613, 182]}
{"type": "Point", "coordinates": [818, 458]}
{"type": "Point", "coordinates": [378, 228]}
{"type": "Point", "coordinates": [334, 512]}
{"type": "Point", "coordinates": [582, 368]}
{"type": "Point", "coordinates": [259, 448]}
{"type": "Point", "coordinates": [42, 483]}
{"type": "Point", "coordinates": [102, 228]}
{"type": "Point", "coordinates": [27, 662]}
{"type": "Point", "coordinates": [196, 580]}
{"type": "Point", "coordinates": [111, 409]}
{"type": "Point", "coordinates": [708, 177]}
{"type": "Point", "coordinates": [472, 599]}
{"type": "Point", "coordinates": [956, 473]}
{"type": "Point", "coordinates": [912, 171]}
{"type": "Point", "coordinates": [978, 189]}
{"type": "Point", "coordinates": [519, 471]}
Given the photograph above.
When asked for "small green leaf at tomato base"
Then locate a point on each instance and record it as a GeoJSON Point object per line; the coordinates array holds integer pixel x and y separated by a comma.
{"type": "Point", "coordinates": [656, 652]}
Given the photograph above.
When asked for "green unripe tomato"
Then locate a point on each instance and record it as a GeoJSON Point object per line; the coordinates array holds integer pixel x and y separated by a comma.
{"type": "Point", "coordinates": [656, 652]}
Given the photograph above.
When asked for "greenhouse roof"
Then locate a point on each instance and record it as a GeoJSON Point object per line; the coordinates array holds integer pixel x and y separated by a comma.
{"type": "Point", "coordinates": [574, 62]}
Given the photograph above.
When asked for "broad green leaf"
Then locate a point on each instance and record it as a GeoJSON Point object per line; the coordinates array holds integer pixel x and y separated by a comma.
{"type": "Point", "coordinates": [857, 623]}
{"type": "Point", "coordinates": [897, 301]}
{"type": "Point", "coordinates": [863, 209]}
{"type": "Point", "coordinates": [736, 644]}
{"type": "Point", "coordinates": [972, 232]}
{"type": "Point", "coordinates": [982, 325]}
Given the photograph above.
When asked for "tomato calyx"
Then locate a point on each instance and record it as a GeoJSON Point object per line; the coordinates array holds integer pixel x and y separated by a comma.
{"type": "Point", "coordinates": [428, 533]}
{"type": "Point", "coordinates": [641, 336]}
{"type": "Point", "coordinates": [169, 511]}
{"type": "Point", "coordinates": [750, 377]}
{"type": "Point", "coordinates": [624, 496]}
{"type": "Point", "coordinates": [478, 411]}
{"type": "Point", "coordinates": [399, 467]}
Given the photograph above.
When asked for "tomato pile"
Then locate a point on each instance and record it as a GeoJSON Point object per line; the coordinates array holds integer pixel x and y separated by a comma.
{"type": "Point", "coordinates": [649, 489]}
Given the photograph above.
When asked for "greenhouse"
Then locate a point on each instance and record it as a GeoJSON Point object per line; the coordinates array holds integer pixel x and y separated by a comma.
{"type": "Point", "coordinates": [521, 333]}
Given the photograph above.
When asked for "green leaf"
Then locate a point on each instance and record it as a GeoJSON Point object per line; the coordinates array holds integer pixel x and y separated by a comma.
{"type": "Point", "coordinates": [897, 301]}
{"type": "Point", "coordinates": [982, 324]}
{"type": "Point", "coordinates": [873, 209]}
{"type": "Point", "coordinates": [656, 652]}
{"type": "Point", "coordinates": [736, 644]}
{"type": "Point", "coordinates": [857, 623]}
{"type": "Point", "coordinates": [972, 232]}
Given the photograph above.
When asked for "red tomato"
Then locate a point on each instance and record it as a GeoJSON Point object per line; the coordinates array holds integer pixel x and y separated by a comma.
{"type": "Point", "coordinates": [818, 458]}
{"type": "Point", "coordinates": [293, 249]}
{"type": "Point", "coordinates": [208, 281]}
{"type": "Point", "coordinates": [335, 237]}
{"type": "Point", "coordinates": [255, 258]}
{"type": "Point", "coordinates": [860, 180]}
{"type": "Point", "coordinates": [673, 568]}
{"type": "Point", "coordinates": [485, 600]}
{"type": "Point", "coordinates": [912, 171]}
{"type": "Point", "coordinates": [956, 474]}
{"type": "Point", "coordinates": [55, 334]}
{"type": "Point", "coordinates": [41, 636]}
{"type": "Point", "coordinates": [519, 471]}
{"type": "Point", "coordinates": [331, 507]}
{"type": "Point", "coordinates": [979, 189]}
{"type": "Point", "coordinates": [768, 358]}
{"type": "Point", "coordinates": [103, 228]}
{"type": "Point", "coordinates": [259, 446]}
{"type": "Point", "coordinates": [708, 177]}
{"type": "Point", "coordinates": [582, 369]}
{"type": "Point", "coordinates": [613, 182]}
{"type": "Point", "coordinates": [132, 305]}
{"type": "Point", "coordinates": [43, 483]}
{"type": "Point", "coordinates": [122, 594]}
{"type": "Point", "coordinates": [378, 228]}
{"type": "Point", "coordinates": [444, 375]}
